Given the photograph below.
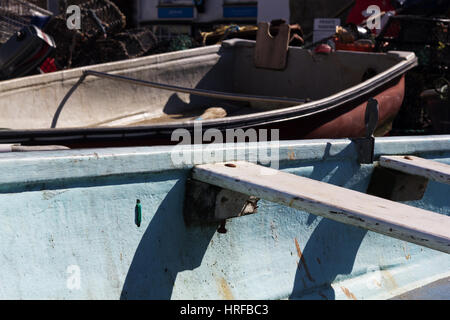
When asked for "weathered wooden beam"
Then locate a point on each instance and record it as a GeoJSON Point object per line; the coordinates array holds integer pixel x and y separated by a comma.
{"type": "Point", "coordinates": [429, 169]}
{"type": "Point", "coordinates": [390, 218]}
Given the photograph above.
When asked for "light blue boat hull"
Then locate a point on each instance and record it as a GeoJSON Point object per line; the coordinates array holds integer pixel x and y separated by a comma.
{"type": "Point", "coordinates": [67, 228]}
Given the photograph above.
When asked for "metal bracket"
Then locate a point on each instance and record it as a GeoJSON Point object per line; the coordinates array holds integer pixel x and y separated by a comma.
{"type": "Point", "coordinates": [205, 203]}
{"type": "Point", "coordinates": [366, 146]}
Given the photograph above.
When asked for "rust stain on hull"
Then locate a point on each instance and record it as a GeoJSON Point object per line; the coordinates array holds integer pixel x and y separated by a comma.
{"type": "Point", "coordinates": [348, 293]}
{"type": "Point", "coordinates": [389, 280]}
{"type": "Point", "coordinates": [303, 261]}
{"type": "Point", "coordinates": [377, 283]}
{"type": "Point", "coordinates": [291, 155]}
{"type": "Point", "coordinates": [225, 290]}
{"type": "Point", "coordinates": [405, 250]}
{"type": "Point", "coordinates": [323, 296]}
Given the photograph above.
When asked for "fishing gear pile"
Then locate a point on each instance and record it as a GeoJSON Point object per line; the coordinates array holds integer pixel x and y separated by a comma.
{"type": "Point", "coordinates": [428, 38]}
{"type": "Point", "coordinates": [17, 14]}
{"type": "Point", "coordinates": [103, 37]}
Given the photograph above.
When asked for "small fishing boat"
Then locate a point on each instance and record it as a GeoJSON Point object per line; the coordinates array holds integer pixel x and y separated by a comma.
{"type": "Point", "coordinates": [312, 223]}
{"type": "Point", "coordinates": [142, 101]}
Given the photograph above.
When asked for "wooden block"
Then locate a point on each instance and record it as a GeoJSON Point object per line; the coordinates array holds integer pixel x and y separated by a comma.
{"type": "Point", "coordinates": [205, 203]}
{"type": "Point", "coordinates": [271, 51]}
{"type": "Point", "coordinates": [396, 186]}
{"type": "Point", "coordinates": [429, 169]}
{"type": "Point", "coordinates": [390, 218]}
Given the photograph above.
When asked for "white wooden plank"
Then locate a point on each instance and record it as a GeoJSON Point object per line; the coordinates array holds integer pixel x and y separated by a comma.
{"type": "Point", "coordinates": [432, 170]}
{"type": "Point", "coordinates": [394, 219]}
{"type": "Point", "coordinates": [5, 148]}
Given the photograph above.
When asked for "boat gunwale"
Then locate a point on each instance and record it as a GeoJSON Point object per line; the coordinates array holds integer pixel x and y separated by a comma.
{"type": "Point", "coordinates": [83, 163]}
{"type": "Point", "coordinates": [118, 66]}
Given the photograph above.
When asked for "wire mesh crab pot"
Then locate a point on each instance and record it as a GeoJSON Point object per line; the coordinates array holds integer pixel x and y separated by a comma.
{"type": "Point", "coordinates": [99, 18]}
{"type": "Point", "coordinates": [16, 14]}
{"type": "Point", "coordinates": [128, 44]}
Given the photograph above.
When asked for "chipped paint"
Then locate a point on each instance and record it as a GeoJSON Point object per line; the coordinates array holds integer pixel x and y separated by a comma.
{"type": "Point", "coordinates": [273, 231]}
{"type": "Point", "coordinates": [388, 280]}
{"type": "Point", "coordinates": [348, 293]}
{"type": "Point", "coordinates": [48, 195]}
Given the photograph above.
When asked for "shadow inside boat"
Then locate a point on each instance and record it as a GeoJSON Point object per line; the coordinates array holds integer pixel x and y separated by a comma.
{"type": "Point", "coordinates": [218, 77]}
{"type": "Point", "coordinates": [332, 247]}
{"type": "Point", "coordinates": [331, 251]}
{"type": "Point", "coordinates": [166, 248]}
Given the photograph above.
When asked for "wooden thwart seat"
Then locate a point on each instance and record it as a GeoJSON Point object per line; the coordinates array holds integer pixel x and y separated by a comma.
{"type": "Point", "coordinates": [429, 169]}
{"type": "Point", "coordinates": [387, 217]}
